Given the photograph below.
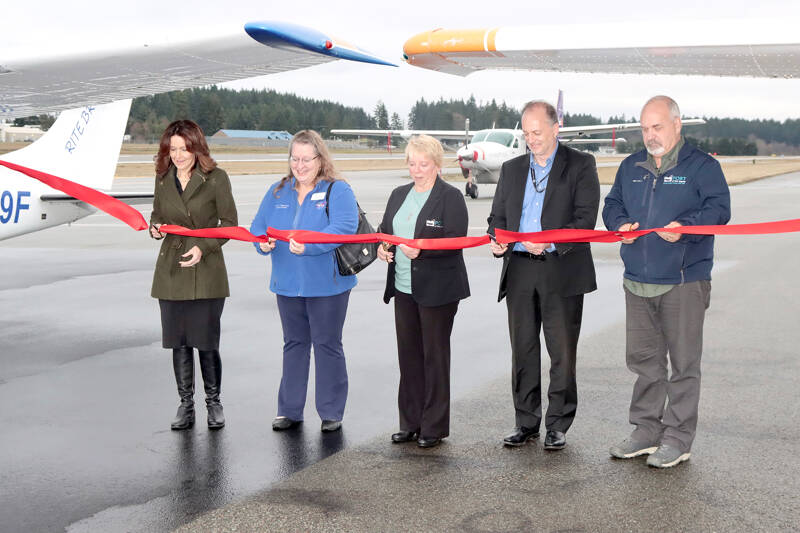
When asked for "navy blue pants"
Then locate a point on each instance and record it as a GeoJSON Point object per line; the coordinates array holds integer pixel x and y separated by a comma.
{"type": "Point", "coordinates": [318, 322]}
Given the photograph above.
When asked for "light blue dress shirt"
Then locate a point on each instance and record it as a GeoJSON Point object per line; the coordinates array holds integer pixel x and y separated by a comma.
{"type": "Point", "coordinates": [531, 218]}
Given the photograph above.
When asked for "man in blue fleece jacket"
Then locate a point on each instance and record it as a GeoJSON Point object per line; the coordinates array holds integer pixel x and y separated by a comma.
{"type": "Point", "coordinates": [667, 279]}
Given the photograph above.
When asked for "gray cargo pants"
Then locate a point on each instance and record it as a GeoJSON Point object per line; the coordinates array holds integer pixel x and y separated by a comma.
{"type": "Point", "coordinates": [664, 409]}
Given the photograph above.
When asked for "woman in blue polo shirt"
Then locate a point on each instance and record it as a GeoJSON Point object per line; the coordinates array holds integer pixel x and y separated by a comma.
{"type": "Point", "coordinates": [312, 295]}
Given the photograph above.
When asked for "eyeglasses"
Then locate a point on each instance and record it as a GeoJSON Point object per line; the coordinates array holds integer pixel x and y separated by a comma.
{"type": "Point", "coordinates": [304, 160]}
{"type": "Point", "coordinates": [539, 185]}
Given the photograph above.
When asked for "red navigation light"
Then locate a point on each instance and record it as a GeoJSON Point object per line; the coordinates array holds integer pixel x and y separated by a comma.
{"type": "Point", "coordinates": [328, 44]}
{"type": "Point", "coordinates": [475, 155]}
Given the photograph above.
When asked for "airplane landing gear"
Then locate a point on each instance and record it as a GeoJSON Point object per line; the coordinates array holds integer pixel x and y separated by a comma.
{"type": "Point", "coordinates": [471, 188]}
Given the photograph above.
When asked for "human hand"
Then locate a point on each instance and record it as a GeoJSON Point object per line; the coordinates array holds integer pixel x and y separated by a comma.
{"type": "Point", "coordinates": [629, 227]}
{"type": "Point", "coordinates": [411, 253]}
{"type": "Point", "coordinates": [194, 254]}
{"type": "Point", "coordinates": [268, 246]}
{"type": "Point", "coordinates": [296, 247]}
{"type": "Point", "coordinates": [154, 233]}
{"type": "Point", "coordinates": [668, 236]}
{"type": "Point", "coordinates": [384, 254]}
{"type": "Point", "coordinates": [497, 248]}
{"type": "Point", "coordinates": [535, 248]}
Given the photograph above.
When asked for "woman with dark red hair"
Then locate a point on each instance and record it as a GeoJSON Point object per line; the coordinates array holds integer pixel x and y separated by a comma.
{"type": "Point", "coordinates": [190, 280]}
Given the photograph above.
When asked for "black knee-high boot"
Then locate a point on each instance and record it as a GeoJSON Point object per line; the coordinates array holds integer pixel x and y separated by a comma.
{"type": "Point", "coordinates": [211, 367]}
{"type": "Point", "coordinates": [183, 365]}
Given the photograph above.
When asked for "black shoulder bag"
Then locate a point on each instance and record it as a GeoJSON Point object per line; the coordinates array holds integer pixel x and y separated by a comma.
{"type": "Point", "coordinates": [354, 257]}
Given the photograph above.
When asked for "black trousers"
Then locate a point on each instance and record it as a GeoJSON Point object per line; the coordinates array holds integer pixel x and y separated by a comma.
{"type": "Point", "coordinates": [533, 305]}
{"type": "Point", "coordinates": [423, 350]}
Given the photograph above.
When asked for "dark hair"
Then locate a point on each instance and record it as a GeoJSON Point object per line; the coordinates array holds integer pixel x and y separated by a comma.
{"type": "Point", "coordinates": [551, 112]}
{"type": "Point", "coordinates": [327, 171]}
{"type": "Point", "coordinates": [195, 141]}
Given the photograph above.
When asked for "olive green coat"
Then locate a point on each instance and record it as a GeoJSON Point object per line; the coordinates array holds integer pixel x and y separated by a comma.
{"type": "Point", "coordinates": [207, 202]}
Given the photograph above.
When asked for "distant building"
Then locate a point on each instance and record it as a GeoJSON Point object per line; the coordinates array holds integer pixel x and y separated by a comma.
{"type": "Point", "coordinates": [252, 134]}
{"type": "Point", "coordinates": [12, 134]}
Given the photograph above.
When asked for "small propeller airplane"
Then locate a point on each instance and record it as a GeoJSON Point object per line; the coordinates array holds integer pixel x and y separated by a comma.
{"type": "Point", "coordinates": [485, 151]}
{"type": "Point", "coordinates": [93, 92]}
{"type": "Point", "coordinates": [93, 89]}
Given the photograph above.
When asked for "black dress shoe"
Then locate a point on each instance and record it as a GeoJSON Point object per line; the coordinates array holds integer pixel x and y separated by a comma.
{"type": "Point", "coordinates": [555, 440]}
{"type": "Point", "coordinates": [520, 436]}
{"type": "Point", "coordinates": [428, 442]}
{"type": "Point", "coordinates": [404, 436]}
{"type": "Point", "coordinates": [280, 423]}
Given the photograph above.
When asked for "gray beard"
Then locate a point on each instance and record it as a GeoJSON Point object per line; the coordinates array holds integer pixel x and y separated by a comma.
{"type": "Point", "coordinates": [656, 150]}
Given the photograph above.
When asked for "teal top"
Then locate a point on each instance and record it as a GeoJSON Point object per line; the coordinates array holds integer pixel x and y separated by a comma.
{"type": "Point", "coordinates": [403, 224]}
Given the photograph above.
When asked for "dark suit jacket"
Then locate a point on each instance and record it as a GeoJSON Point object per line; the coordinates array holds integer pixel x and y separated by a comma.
{"type": "Point", "coordinates": [438, 277]}
{"type": "Point", "coordinates": [570, 201]}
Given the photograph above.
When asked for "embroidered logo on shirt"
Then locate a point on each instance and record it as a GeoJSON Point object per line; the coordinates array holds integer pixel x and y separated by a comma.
{"type": "Point", "coordinates": [281, 206]}
{"type": "Point", "coordinates": [674, 180]}
{"type": "Point", "coordinates": [434, 223]}
{"type": "Point", "coordinates": [320, 205]}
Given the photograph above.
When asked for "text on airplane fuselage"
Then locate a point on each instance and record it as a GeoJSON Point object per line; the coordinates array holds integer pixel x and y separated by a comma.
{"type": "Point", "coordinates": [11, 207]}
{"type": "Point", "coordinates": [79, 129]}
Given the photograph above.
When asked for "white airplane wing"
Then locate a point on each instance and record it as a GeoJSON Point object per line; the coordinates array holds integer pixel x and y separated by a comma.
{"type": "Point", "coordinates": [749, 48]}
{"type": "Point", "coordinates": [29, 86]}
{"type": "Point", "coordinates": [571, 132]}
{"type": "Point", "coordinates": [130, 198]}
{"type": "Point", "coordinates": [584, 140]}
{"type": "Point", "coordinates": [439, 134]}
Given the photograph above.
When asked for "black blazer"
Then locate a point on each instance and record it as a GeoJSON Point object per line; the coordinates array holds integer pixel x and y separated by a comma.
{"type": "Point", "coordinates": [438, 277]}
{"type": "Point", "coordinates": [571, 200]}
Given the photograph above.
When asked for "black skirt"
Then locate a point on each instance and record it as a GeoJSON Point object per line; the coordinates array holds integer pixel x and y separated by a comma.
{"type": "Point", "coordinates": [192, 323]}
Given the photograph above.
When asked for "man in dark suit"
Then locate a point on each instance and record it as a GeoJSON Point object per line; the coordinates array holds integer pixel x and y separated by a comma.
{"type": "Point", "coordinates": [552, 187]}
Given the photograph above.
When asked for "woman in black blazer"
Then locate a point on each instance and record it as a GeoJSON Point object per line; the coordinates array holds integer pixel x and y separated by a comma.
{"type": "Point", "coordinates": [427, 286]}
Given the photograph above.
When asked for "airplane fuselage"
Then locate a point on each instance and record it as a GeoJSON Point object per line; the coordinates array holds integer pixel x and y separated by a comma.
{"type": "Point", "coordinates": [487, 152]}
{"type": "Point", "coordinates": [22, 210]}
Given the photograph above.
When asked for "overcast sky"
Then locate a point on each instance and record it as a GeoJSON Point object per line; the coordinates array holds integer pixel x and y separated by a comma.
{"type": "Point", "coordinates": [383, 26]}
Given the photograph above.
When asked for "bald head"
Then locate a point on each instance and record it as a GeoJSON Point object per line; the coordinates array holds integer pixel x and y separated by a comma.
{"type": "Point", "coordinates": [661, 125]}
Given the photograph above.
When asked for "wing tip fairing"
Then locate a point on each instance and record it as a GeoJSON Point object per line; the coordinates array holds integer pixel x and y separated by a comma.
{"type": "Point", "coordinates": [290, 36]}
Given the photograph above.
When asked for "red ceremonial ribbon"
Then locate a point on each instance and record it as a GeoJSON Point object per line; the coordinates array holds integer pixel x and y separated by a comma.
{"type": "Point", "coordinates": [135, 220]}
{"type": "Point", "coordinates": [109, 204]}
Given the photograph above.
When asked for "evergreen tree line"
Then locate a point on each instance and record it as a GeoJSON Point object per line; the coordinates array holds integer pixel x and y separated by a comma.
{"type": "Point", "coordinates": [214, 108]}
{"type": "Point", "coordinates": [451, 114]}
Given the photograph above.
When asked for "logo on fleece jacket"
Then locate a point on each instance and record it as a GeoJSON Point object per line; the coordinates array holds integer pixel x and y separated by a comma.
{"type": "Point", "coordinates": [674, 180]}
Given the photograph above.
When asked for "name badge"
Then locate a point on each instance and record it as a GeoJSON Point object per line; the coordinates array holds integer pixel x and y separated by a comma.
{"type": "Point", "coordinates": [434, 223]}
{"type": "Point", "coordinates": [317, 196]}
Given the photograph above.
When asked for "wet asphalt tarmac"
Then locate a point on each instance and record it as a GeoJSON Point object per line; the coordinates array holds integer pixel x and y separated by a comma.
{"type": "Point", "coordinates": [88, 394]}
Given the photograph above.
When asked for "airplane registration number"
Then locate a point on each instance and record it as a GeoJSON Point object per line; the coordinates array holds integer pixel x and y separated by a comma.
{"type": "Point", "coordinates": [10, 207]}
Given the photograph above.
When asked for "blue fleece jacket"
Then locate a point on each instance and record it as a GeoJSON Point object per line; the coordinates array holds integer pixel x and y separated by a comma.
{"type": "Point", "coordinates": [693, 192]}
{"type": "Point", "coordinates": [314, 272]}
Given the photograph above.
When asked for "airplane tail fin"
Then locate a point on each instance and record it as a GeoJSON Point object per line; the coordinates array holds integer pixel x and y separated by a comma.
{"type": "Point", "coordinates": [560, 108]}
{"type": "Point", "coordinates": [82, 145]}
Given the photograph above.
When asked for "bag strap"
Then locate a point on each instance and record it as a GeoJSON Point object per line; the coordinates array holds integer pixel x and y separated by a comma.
{"type": "Point", "coordinates": [328, 199]}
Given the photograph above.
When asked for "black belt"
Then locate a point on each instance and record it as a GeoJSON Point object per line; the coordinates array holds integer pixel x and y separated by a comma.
{"type": "Point", "coordinates": [534, 257]}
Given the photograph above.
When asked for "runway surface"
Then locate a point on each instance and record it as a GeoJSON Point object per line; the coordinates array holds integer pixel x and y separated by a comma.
{"type": "Point", "coordinates": [88, 395]}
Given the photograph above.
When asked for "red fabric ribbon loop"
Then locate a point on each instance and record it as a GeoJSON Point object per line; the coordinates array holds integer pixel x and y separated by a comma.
{"type": "Point", "coordinates": [135, 220]}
